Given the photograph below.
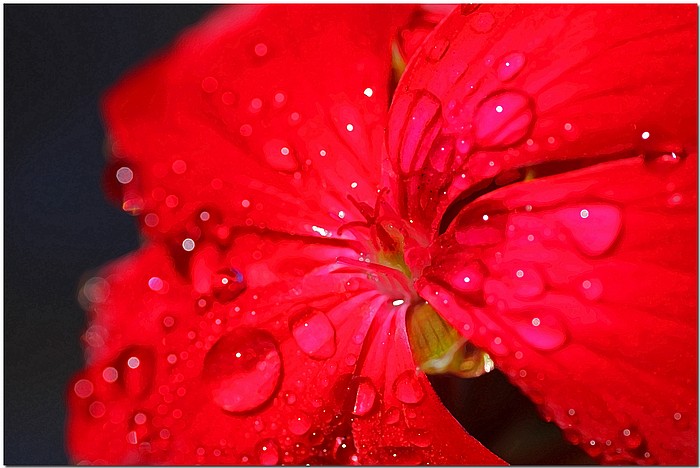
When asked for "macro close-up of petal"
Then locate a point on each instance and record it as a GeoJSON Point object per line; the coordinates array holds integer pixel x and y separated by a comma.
{"type": "Point", "coordinates": [339, 202]}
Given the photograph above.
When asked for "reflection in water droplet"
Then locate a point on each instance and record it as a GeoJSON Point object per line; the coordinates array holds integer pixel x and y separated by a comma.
{"type": "Point", "coordinates": [438, 50]}
{"type": "Point", "coordinates": [243, 369]}
{"type": "Point", "coordinates": [408, 388]}
{"type": "Point", "coordinates": [365, 396]}
{"type": "Point", "coordinates": [545, 333]}
{"type": "Point", "coordinates": [313, 333]}
{"type": "Point", "coordinates": [503, 118]}
{"type": "Point", "coordinates": [510, 66]}
{"type": "Point", "coordinates": [268, 452]}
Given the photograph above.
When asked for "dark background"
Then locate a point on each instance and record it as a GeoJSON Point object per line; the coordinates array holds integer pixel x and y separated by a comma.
{"type": "Point", "coordinates": [58, 225]}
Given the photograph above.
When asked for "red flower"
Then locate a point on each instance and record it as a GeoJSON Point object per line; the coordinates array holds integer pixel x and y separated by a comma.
{"type": "Point", "coordinates": [537, 188]}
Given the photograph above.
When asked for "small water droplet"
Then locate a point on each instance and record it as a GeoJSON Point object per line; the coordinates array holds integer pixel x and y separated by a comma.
{"type": "Point", "coordinates": [631, 438]}
{"type": "Point", "coordinates": [227, 285]}
{"type": "Point", "coordinates": [124, 175]}
{"type": "Point", "coordinates": [136, 368]}
{"type": "Point", "coordinates": [419, 437]}
{"type": "Point", "coordinates": [97, 409]}
{"type": "Point", "coordinates": [83, 388]}
{"type": "Point", "coordinates": [528, 283]}
{"type": "Point", "coordinates": [260, 49]}
{"type": "Point", "coordinates": [438, 50]}
{"type": "Point", "coordinates": [408, 388]}
{"type": "Point", "coordinates": [544, 332]}
{"type": "Point", "coordinates": [314, 333]}
{"type": "Point", "coordinates": [391, 416]}
{"type": "Point", "coordinates": [210, 84]}
{"type": "Point", "coordinates": [592, 288]}
{"type": "Point", "coordinates": [299, 425]}
{"type": "Point", "coordinates": [482, 22]}
{"type": "Point", "coordinates": [503, 119]}
{"type": "Point", "coordinates": [268, 452]}
{"type": "Point", "coordinates": [510, 66]}
{"type": "Point", "coordinates": [365, 397]}
{"type": "Point", "coordinates": [595, 233]}
{"type": "Point", "coordinates": [243, 369]}
{"type": "Point", "coordinates": [279, 156]}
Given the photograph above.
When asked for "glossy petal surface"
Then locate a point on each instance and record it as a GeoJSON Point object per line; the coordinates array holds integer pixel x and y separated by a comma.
{"type": "Point", "coordinates": [520, 85]}
{"type": "Point", "coordinates": [269, 116]}
{"type": "Point", "coordinates": [583, 289]}
{"type": "Point", "coordinates": [275, 371]}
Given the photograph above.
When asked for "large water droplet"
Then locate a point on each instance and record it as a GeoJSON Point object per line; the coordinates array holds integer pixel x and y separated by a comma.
{"type": "Point", "coordinates": [544, 332]}
{"type": "Point", "coordinates": [314, 333]}
{"type": "Point", "coordinates": [268, 452]}
{"type": "Point", "coordinates": [594, 227]}
{"type": "Point", "coordinates": [503, 119]}
{"type": "Point", "coordinates": [279, 155]}
{"type": "Point", "coordinates": [408, 388]}
{"type": "Point", "coordinates": [510, 66]}
{"type": "Point", "coordinates": [243, 369]}
{"type": "Point", "coordinates": [365, 397]}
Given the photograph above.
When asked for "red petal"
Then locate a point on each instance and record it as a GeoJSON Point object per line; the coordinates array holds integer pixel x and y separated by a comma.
{"type": "Point", "coordinates": [583, 288]}
{"type": "Point", "coordinates": [500, 87]}
{"type": "Point", "coordinates": [270, 116]}
{"type": "Point", "coordinates": [270, 366]}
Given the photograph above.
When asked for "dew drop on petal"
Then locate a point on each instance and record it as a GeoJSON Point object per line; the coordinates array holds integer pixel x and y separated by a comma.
{"type": "Point", "coordinates": [314, 333]}
{"type": "Point", "coordinates": [503, 119]}
{"type": "Point", "coordinates": [83, 388]}
{"type": "Point", "coordinates": [631, 438]}
{"type": "Point", "coordinates": [227, 285]}
{"type": "Point", "coordinates": [408, 388]}
{"type": "Point", "coordinates": [210, 84]}
{"type": "Point", "coordinates": [419, 437]}
{"type": "Point", "coordinates": [365, 397]}
{"type": "Point", "coordinates": [595, 233]}
{"type": "Point", "coordinates": [527, 283]}
{"type": "Point", "coordinates": [592, 288]}
{"type": "Point", "coordinates": [299, 425]}
{"type": "Point", "coordinates": [260, 49]}
{"type": "Point", "coordinates": [268, 452]}
{"type": "Point", "coordinates": [545, 333]}
{"type": "Point", "coordinates": [243, 369]}
{"type": "Point", "coordinates": [510, 66]}
{"type": "Point", "coordinates": [482, 22]}
{"type": "Point", "coordinates": [391, 416]}
{"type": "Point", "coordinates": [97, 409]}
{"type": "Point", "coordinates": [136, 369]}
{"type": "Point", "coordinates": [438, 50]}
{"type": "Point", "coordinates": [125, 175]}
{"type": "Point", "coordinates": [279, 156]}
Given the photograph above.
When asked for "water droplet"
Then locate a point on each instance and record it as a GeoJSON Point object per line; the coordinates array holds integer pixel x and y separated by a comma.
{"type": "Point", "coordinates": [544, 332]}
{"type": "Point", "coordinates": [344, 451]}
{"type": "Point", "coordinates": [97, 409]}
{"type": "Point", "coordinates": [313, 333]}
{"type": "Point", "coordinates": [124, 175]}
{"type": "Point", "coordinates": [368, 92]}
{"type": "Point", "coordinates": [631, 438]}
{"type": "Point", "coordinates": [136, 369]}
{"type": "Point", "coordinates": [279, 156]}
{"type": "Point", "coordinates": [527, 283]}
{"type": "Point", "coordinates": [419, 437]}
{"type": "Point", "coordinates": [645, 135]}
{"type": "Point", "coordinates": [365, 397]}
{"type": "Point", "coordinates": [392, 416]}
{"type": "Point", "coordinates": [210, 84]}
{"type": "Point", "coordinates": [408, 388]}
{"type": "Point", "coordinates": [592, 288]}
{"type": "Point", "coordinates": [503, 119]}
{"type": "Point", "coordinates": [482, 22]}
{"type": "Point", "coordinates": [438, 50]}
{"type": "Point", "coordinates": [268, 452]}
{"type": "Point", "coordinates": [227, 284]}
{"type": "Point", "coordinates": [408, 456]}
{"type": "Point", "coordinates": [510, 66]}
{"type": "Point", "coordinates": [260, 49]}
{"type": "Point", "coordinates": [597, 232]}
{"type": "Point", "coordinates": [243, 369]}
{"type": "Point", "coordinates": [299, 425]}
{"type": "Point", "coordinates": [83, 388]}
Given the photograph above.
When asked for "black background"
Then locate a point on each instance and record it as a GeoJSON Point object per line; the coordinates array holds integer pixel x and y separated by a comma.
{"type": "Point", "coordinates": [58, 225]}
